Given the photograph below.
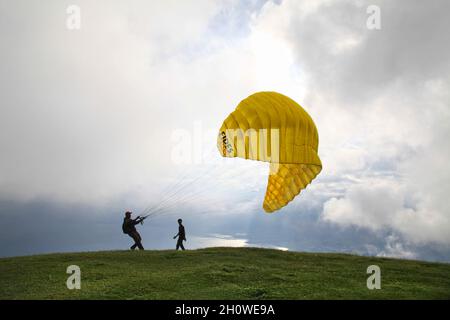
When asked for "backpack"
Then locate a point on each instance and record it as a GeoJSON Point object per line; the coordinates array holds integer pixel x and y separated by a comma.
{"type": "Point", "coordinates": [125, 228]}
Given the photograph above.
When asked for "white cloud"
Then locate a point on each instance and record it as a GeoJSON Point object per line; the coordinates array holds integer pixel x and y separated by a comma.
{"type": "Point", "coordinates": [385, 204]}
{"type": "Point", "coordinates": [372, 204]}
{"type": "Point", "coordinates": [395, 249]}
{"type": "Point", "coordinates": [87, 115]}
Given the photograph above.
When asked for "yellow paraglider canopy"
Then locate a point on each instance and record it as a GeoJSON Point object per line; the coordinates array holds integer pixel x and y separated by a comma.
{"type": "Point", "coordinates": [270, 127]}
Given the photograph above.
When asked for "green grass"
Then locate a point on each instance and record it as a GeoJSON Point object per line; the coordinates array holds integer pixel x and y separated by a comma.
{"type": "Point", "coordinates": [220, 273]}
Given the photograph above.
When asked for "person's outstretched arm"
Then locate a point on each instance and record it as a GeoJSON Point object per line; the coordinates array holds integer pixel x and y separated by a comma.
{"type": "Point", "coordinates": [176, 235]}
{"type": "Point", "coordinates": [137, 220]}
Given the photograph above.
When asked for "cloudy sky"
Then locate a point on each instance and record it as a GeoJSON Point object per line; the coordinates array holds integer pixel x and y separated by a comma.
{"type": "Point", "coordinates": [121, 114]}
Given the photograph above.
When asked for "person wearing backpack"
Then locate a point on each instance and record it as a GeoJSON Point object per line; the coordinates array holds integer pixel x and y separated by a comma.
{"type": "Point", "coordinates": [129, 228]}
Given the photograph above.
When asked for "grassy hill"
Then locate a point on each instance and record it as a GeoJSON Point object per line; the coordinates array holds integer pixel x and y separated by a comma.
{"type": "Point", "coordinates": [220, 273]}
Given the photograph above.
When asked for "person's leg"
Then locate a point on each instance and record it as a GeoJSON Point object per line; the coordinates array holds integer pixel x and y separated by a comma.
{"type": "Point", "coordinates": [138, 241]}
{"type": "Point", "coordinates": [178, 244]}
{"type": "Point", "coordinates": [134, 245]}
{"type": "Point", "coordinates": [181, 245]}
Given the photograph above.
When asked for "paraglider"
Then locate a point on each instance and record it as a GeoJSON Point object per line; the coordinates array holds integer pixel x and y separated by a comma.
{"type": "Point", "coordinates": [270, 127]}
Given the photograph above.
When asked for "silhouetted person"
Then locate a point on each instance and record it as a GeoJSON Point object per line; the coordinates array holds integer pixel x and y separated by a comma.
{"type": "Point", "coordinates": [181, 235]}
{"type": "Point", "coordinates": [129, 228]}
